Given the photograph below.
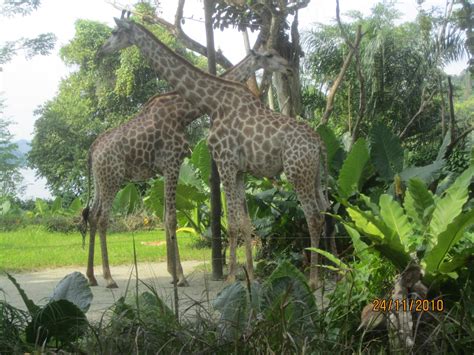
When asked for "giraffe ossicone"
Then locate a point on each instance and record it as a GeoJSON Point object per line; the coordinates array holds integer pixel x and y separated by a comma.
{"type": "Point", "coordinates": [152, 143]}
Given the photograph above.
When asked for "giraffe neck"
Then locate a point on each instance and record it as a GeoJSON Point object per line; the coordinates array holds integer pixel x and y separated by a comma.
{"type": "Point", "coordinates": [242, 70]}
{"type": "Point", "coordinates": [191, 83]}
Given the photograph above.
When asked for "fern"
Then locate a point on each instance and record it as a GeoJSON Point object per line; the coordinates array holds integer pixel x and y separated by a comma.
{"type": "Point", "coordinates": [450, 205]}
{"type": "Point", "coordinates": [394, 217]}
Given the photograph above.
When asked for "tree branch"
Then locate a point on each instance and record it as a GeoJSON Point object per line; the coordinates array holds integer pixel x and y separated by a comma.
{"type": "Point", "coordinates": [451, 146]}
{"type": "Point", "coordinates": [423, 104]}
{"type": "Point", "coordinates": [340, 77]}
{"type": "Point", "coordinates": [177, 31]}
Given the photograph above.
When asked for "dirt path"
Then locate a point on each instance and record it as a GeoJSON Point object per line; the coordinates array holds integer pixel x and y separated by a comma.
{"type": "Point", "coordinates": [39, 285]}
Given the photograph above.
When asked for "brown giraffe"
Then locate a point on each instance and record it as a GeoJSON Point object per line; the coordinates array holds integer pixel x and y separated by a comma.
{"type": "Point", "coordinates": [152, 143]}
{"type": "Point", "coordinates": [246, 137]}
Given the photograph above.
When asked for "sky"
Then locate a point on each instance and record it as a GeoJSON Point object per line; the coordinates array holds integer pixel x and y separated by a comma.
{"type": "Point", "coordinates": [27, 84]}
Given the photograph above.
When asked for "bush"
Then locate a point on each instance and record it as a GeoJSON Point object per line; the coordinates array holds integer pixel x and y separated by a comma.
{"type": "Point", "coordinates": [61, 224]}
{"type": "Point", "coordinates": [12, 222]}
{"type": "Point", "coordinates": [138, 221]}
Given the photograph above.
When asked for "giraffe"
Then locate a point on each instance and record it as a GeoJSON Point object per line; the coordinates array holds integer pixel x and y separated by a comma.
{"type": "Point", "coordinates": [246, 137]}
{"type": "Point", "coordinates": [152, 142]}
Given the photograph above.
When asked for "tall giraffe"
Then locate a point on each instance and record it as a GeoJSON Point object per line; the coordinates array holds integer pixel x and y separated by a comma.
{"type": "Point", "coordinates": [152, 142]}
{"type": "Point", "coordinates": [245, 137]}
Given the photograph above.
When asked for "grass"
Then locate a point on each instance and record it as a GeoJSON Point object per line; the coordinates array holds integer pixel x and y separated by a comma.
{"type": "Point", "coordinates": [33, 248]}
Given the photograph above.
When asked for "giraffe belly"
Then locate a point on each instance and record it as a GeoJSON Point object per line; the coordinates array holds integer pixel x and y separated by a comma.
{"type": "Point", "coordinates": [271, 169]}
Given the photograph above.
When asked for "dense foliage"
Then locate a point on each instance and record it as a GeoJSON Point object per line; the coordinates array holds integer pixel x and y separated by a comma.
{"type": "Point", "coordinates": [400, 167]}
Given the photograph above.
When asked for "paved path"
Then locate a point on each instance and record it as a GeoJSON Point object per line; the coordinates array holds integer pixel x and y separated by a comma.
{"type": "Point", "coordinates": [39, 285]}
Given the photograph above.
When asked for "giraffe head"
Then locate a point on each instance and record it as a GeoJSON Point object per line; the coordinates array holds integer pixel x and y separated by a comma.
{"type": "Point", "coordinates": [271, 61]}
{"type": "Point", "coordinates": [120, 38]}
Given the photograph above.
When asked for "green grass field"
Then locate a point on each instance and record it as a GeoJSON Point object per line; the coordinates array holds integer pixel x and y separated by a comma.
{"type": "Point", "coordinates": [33, 248]}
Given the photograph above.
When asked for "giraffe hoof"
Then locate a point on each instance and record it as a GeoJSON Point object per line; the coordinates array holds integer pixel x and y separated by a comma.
{"type": "Point", "coordinates": [112, 285]}
{"type": "Point", "coordinates": [93, 282]}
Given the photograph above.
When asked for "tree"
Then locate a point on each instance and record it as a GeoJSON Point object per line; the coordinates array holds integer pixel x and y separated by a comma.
{"type": "Point", "coordinates": [98, 96]}
{"type": "Point", "coordinates": [42, 44]}
{"type": "Point", "coordinates": [10, 177]}
{"type": "Point", "coordinates": [271, 19]}
{"type": "Point", "coordinates": [396, 79]}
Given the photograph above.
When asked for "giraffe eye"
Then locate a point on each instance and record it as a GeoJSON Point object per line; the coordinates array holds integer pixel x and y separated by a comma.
{"type": "Point", "coordinates": [269, 55]}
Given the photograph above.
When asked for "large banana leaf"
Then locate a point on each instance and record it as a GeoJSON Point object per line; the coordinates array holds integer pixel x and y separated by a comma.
{"type": "Point", "coordinates": [427, 173]}
{"type": "Point", "coordinates": [450, 205]}
{"type": "Point", "coordinates": [375, 232]}
{"type": "Point", "coordinates": [418, 201]}
{"type": "Point", "coordinates": [75, 288]}
{"type": "Point", "coordinates": [187, 197]}
{"type": "Point", "coordinates": [188, 176]}
{"type": "Point", "coordinates": [201, 159]}
{"type": "Point", "coordinates": [333, 146]}
{"type": "Point", "coordinates": [395, 218]}
{"type": "Point", "coordinates": [234, 306]}
{"type": "Point", "coordinates": [350, 176]}
{"type": "Point", "coordinates": [57, 205]}
{"type": "Point", "coordinates": [386, 152]}
{"type": "Point", "coordinates": [435, 255]}
{"type": "Point", "coordinates": [127, 199]}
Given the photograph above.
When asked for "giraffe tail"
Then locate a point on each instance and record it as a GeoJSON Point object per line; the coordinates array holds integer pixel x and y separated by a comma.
{"type": "Point", "coordinates": [325, 163]}
{"type": "Point", "coordinates": [86, 210]}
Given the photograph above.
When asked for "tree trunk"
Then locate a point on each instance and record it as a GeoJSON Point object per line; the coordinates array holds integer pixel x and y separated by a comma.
{"type": "Point", "coordinates": [287, 87]}
{"type": "Point", "coordinates": [216, 207]}
{"type": "Point", "coordinates": [451, 110]}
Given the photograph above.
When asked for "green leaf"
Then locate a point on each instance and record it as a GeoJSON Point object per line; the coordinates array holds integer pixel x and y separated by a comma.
{"type": "Point", "coordinates": [74, 288]}
{"type": "Point", "coordinates": [127, 199]}
{"type": "Point", "coordinates": [155, 197]}
{"type": "Point", "coordinates": [330, 141]}
{"type": "Point", "coordinates": [457, 261]}
{"type": "Point", "coordinates": [60, 320]}
{"type": "Point", "coordinates": [394, 217]}
{"type": "Point", "coordinates": [188, 176]}
{"type": "Point", "coordinates": [233, 304]}
{"type": "Point", "coordinates": [444, 146]}
{"type": "Point", "coordinates": [386, 152]}
{"type": "Point", "coordinates": [57, 205]}
{"type": "Point", "coordinates": [287, 291]}
{"type": "Point", "coordinates": [450, 206]}
{"type": "Point", "coordinates": [30, 305]}
{"type": "Point", "coordinates": [418, 201]}
{"type": "Point", "coordinates": [201, 159]}
{"type": "Point", "coordinates": [427, 173]}
{"type": "Point", "coordinates": [435, 255]}
{"type": "Point", "coordinates": [375, 232]}
{"type": "Point", "coordinates": [361, 249]}
{"type": "Point", "coordinates": [339, 263]}
{"type": "Point", "coordinates": [41, 207]}
{"type": "Point", "coordinates": [350, 176]}
{"type": "Point", "coordinates": [75, 206]}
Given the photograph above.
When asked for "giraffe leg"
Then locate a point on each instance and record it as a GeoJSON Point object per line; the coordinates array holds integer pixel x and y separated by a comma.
{"type": "Point", "coordinates": [236, 222]}
{"type": "Point", "coordinates": [90, 259]}
{"type": "Point", "coordinates": [102, 226]}
{"type": "Point", "coordinates": [93, 219]}
{"type": "Point", "coordinates": [245, 224]}
{"type": "Point", "coordinates": [304, 175]}
{"type": "Point", "coordinates": [172, 250]}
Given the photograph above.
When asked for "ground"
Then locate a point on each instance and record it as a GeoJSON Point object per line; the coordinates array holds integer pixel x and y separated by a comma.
{"type": "Point", "coordinates": [39, 285]}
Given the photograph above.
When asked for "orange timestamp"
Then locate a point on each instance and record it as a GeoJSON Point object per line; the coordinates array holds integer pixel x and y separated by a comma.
{"type": "Point", "coordinates": [407, 305]}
